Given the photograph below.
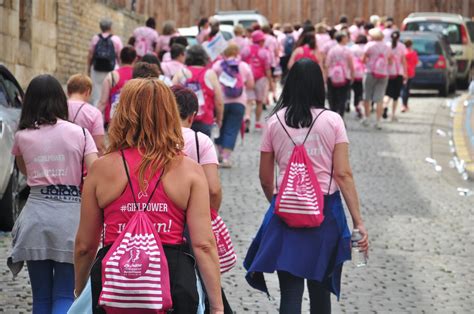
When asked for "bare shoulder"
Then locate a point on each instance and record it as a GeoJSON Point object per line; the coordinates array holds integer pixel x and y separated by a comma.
{"type": "Point", "coordinates": [106, 166]}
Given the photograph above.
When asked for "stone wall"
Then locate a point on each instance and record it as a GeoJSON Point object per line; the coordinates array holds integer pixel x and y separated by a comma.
{"type": "Point", "coordinates": [28, 37]}
{"type": "Point", "coordinates": [53, 36]}
{"type": "Point", "coordinates": [77, 22]}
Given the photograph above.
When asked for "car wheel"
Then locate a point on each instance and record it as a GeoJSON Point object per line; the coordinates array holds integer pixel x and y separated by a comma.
{"type": "Point", "coordinates": [444, 90]}
{"type": "Point", "coordinates": [453, 87]}
{"type": "Point", "coordinates": [10, 203]}
{"type": "Point", "coordinates": [464, 83]}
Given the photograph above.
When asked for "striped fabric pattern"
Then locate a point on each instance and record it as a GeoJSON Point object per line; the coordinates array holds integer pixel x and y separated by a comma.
{"type": "Point", "coordinates": [300, 201]}
{"type": "Point", "coordinates": [135, 275]}
{"type": "Point", "coordinates": [225, 248]}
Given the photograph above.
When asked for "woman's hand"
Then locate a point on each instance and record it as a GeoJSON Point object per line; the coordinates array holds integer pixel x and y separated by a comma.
{"type": "Point", "coordinates": [364, 242]}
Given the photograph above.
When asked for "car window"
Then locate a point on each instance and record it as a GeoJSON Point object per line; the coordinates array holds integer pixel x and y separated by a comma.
{"type": "Point", "coordinates": [3, 97]}
{"type": "Point", "coordinates": [227, 35]}
{"type": "Point", "coordinates": [470, 29]}
{"type": "Point", "coordinates": [451, 30]}
{"type": "Point", "coordinates": [226, 22]}
{"type": "Point", "coordinates": [13, 93]}
{"type": "Point", "coordinates": [426, 47]}
{"type": "Point", "coordinates": [247, 23]}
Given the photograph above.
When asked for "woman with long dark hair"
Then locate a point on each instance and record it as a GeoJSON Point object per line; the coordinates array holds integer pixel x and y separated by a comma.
{"type": "Point", "coordinates": [305, 48]}
{"type": "Point", "coordinates": [397, 75]}
{"type": "Point", "coordinates": [51, 152]}
{"type": "Point", "coordinates": [315, 254]}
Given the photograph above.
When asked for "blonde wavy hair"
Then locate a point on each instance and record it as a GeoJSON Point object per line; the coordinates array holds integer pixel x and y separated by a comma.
{"type": "Point", "coordinates": [147, 118]}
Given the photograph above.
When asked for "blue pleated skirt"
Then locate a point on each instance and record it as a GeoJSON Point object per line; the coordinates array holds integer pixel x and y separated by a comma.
{"type": "Point", "coordinates": [310, 253]}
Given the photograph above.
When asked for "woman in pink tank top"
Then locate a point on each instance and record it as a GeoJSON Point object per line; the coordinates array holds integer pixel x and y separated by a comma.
{"type": "Point", "coordinates": [114, 82]}
{"type": "Point", "coordinates": [145, 139]}
{"type": "Point", "coordinates": [306, 49]}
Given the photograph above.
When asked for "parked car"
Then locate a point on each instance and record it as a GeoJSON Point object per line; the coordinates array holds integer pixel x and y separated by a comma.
{"type": "Point", "coordinates": [191, 33]}
{"type": "Point", "coordinates": [460, 33]}
{"type": "Point", "coordinates": [245, 18]}
{"type": "Point", "coordinates": [436, 68]}
{"type": "Point", "coordinates": [11, 181]}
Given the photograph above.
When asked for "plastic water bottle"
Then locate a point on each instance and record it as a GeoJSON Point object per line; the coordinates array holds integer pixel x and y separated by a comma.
{"type": "Point", "coordinates": [358, 257]}
{"type": "Point", "coordinates": [215, 131]}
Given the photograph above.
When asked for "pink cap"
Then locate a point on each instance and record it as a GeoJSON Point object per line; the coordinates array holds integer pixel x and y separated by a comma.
{"type": "Point", "coordinates": [258, 36]}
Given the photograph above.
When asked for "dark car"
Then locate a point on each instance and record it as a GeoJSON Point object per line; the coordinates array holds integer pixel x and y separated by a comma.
{"type": "Point", "coordinates": [436, 68]}
{"type": "Point", "coordinates": [11, 181]}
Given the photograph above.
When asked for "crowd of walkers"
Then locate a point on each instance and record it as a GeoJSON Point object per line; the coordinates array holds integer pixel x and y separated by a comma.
{"type": "Point", "coordinates": [159, 111]}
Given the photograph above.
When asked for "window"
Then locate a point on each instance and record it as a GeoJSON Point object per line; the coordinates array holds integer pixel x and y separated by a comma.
{"type": "Point", "coordinates": [450, 30]}
{"type": "Point", "coordinates": [247, 23]}
{"type": "Point", "coordinates": [470, 30]}
{"type": "Point", "coordinates": [11, 94]}
{"type": "Point", "coordinates": [426, 47]}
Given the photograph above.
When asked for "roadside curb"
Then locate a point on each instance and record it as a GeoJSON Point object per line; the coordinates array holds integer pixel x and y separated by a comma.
{"type": "Point", "coordinates": [462, 113]}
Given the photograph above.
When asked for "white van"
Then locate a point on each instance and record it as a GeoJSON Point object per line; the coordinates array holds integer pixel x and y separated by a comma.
{"type": "Point", "coordinates": [459, 32]}
{"type": "Point", "coordinates": [244, 18]}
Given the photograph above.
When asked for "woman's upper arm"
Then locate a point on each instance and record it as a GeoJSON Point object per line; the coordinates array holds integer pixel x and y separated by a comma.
{"type": "Point", "coordinates": [198, 216]}
{"type": "Point", "coordinates": [341, 159]}
{"type": "Point", "coordinates": [212, 175]}
{"type": "Point", "coordinates": [20, 163]}
{"type": "Point", "coordinates": [267, 167]}
{"type": "Point", "coordinates": [91, 222]}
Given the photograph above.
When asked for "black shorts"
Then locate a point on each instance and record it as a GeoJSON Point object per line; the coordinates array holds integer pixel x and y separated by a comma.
{"type": "Point", "coordinates": [394, 87]}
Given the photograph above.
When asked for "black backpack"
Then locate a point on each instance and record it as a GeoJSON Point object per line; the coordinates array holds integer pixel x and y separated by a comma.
{"type": "Point", "coordinates": [104, 54]}
{"type": "Point", "coordinates": [289, 43]}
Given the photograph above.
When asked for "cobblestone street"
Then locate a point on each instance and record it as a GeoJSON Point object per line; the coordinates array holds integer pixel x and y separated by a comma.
{"type": "Point", "coordinates": [421, 230]}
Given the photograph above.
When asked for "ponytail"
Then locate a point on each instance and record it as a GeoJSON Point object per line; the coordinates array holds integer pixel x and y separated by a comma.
{"type": "Point", "coordinates": [395, 38]}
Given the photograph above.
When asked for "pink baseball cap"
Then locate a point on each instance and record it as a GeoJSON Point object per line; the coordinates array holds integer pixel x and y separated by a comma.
{"type": "Point", "coordinates": [258, 36]}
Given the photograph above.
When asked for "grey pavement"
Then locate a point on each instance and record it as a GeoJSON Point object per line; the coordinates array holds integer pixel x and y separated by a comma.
{"type": "Point", "coordinates": [421, 230]}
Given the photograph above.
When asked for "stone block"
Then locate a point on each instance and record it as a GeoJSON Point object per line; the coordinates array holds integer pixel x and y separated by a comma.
{"type": "Point", "coordinates": [24, 56]}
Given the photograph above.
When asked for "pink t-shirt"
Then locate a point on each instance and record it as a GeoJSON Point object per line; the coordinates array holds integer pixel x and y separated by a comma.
{"type": "Point", "coordinates": [87, 116]}
{"type": "Point", "coordinates": [149, 35]}
{"type": "Point", "coordinates": [373, 50]}
{"type": "Point", "coordinates": [207, 151]}
{"type": "Point", "coordinates": [357, 54]}
{"type": "Point", "coordinates": [263, 54]}
{"type": "Point", "coordinates": [355, 31]}
{"type": "Point", "coordinates": [164, 42]}
{"type": "Point", "coordinates": [322, 40]}
{"type": "Point", "coordinates": [201, 37]}
{"type": "Point", "coordinates": [396, 68]}
{"type": "Point", "coordinates": [170, 68]}
{"type": "Point", "coordinates": [245, 73]}
{"type": "Point", "coordinates": [53, 153]}
{"type": "Point", "coordinates": [240, 41]}
{"type": "Point", "coordinates": [328, 45]}
{"type": "Point", "coordinates": [342, 55]}
{"type": "Point", "coordinates": [328, 131]}
{"type": "Point", "coordinates": [115, 40]}
{"type": "Point", "coordinates": [271, 44]}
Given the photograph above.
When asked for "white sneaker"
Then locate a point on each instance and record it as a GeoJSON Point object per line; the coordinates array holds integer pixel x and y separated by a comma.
{"type": "Point", "coordinates": [377, 126]}
{"type": "Point", "coordinates": [226, 163]}
{"type": "Point", "coordinates": [364, 122]}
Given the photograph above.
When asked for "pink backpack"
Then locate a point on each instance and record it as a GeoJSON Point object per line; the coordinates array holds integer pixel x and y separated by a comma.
{"type": "Point", "coordinates": [256, 63]}
{"type": "Point", "coordinates": [358, 69]}
{"type": "Point", "coordinates": [135, 273]}
{"type": "Point", "coordinates": [337, 74]}
{"type": "Point", "coordinates": [380, 67]}
{"type": "Point", "coordinates": [225, 248]}
{"type": "Point", "coordinates": [300, 201]}
{"type": "Point", "coordinates": [141, 46]}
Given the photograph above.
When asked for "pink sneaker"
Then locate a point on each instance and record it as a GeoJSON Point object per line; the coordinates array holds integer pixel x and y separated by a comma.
{"type": "Point", "coordinates": [258, 126]}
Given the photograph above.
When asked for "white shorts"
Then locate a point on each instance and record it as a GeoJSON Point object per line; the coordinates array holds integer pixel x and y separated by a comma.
{"type": "Point", "coordinates": [260, 91]}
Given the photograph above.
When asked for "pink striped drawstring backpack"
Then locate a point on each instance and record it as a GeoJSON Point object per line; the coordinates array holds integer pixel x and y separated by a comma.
{"type": "Point", "coordinates": [135, 273]}
{"type": "Point", "coordinates": [300, 201]}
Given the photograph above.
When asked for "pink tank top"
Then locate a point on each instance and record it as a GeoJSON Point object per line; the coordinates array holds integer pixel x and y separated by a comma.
{"type": "Point", "coordinates": [166, 216]}
{"type": "Point", "coordinates": [307, 53]}
{"type": "Point", "coordinates": [125, 74]}
{"type": "Point", "coordinates": [205, 95]}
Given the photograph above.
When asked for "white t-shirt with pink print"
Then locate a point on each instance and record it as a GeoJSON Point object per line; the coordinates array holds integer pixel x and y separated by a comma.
{"type": "Point", "coordinates": [398, 53]}
{"type": "Point", "coordinates": [339, 55]}
{"type": "Point", "coordinates": [375, 50]}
